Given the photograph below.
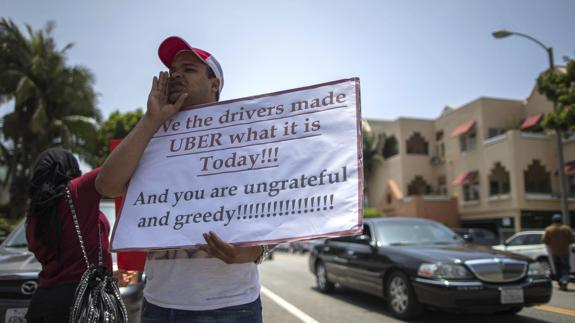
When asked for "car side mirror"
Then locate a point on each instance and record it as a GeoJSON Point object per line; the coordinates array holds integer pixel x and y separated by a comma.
{"type": "Point", "coordinates": [363, 239]}
{"type": "Point", "coordinates": [468, 238]}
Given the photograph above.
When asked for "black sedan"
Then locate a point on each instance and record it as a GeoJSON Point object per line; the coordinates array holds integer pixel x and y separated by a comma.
{"type": "Point", "coordinates": [417, 263]}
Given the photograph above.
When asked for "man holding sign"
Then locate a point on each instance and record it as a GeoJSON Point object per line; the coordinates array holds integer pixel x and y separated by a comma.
{"type": "Point", "coordinates": [219, 280]}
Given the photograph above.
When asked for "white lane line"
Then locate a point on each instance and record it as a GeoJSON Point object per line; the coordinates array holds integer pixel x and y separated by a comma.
{"type": "Point", "coordinates": [288, 307]}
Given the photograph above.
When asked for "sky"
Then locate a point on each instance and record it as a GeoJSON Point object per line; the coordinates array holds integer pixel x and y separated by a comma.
{"type": "Point", "coordinates": [413, 57]}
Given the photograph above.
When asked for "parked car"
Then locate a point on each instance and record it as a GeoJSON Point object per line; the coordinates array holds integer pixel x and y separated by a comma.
{"type": "Point", "coordinates": [417, 263]}
{"type": "Point", "coordinates": [528, 243]}
{"type": "Point", "coordinates": [305, 245]}
{"type": "Point", "coordinates": [283, 247]}
{"type": "Point", "coordinates": [298, 246]}
{"type": "Point", "coordinates": [478, 236]}
{"type": "Point", "coordinates": [19, 275]}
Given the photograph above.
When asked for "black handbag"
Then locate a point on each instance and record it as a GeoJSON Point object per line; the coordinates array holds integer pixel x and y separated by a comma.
{"type": "Point", "coordinates": [97, 297]}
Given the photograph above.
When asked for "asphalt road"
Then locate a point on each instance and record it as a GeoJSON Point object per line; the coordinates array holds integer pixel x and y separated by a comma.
{"type": "Point", "coordinates": [289, 296]}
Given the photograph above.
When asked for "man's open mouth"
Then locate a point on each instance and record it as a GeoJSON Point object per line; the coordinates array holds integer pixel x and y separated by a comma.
{"type": "Point", "coordinates": [175, 87]}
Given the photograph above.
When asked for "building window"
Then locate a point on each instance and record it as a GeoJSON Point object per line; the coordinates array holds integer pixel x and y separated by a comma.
{"type": "Point", "coordinates": [439, 145]}
{"type": "Point", "coordinates": [418, 186]}
{"type": "Point", "coordinates": [537, 179]}
{"type": "Point", "coordinates": [417, 145]}
{"type": "Point", "coordinates": [534, 129]}
{"type": "Point", "coordinates": [468, 141]}
{"type": "Point", "coordinates": [499, 181]}
{"type": "Point", "coordinates": [441, 150]}
{"type": "Point", "coordinates": [442, 184]}
{"type": "Point", "coordinates": [494, 132]}
{"type": "Point", "coordinates": [471, 191]}
{"type": "Point", "coordinates": [571, 184]}
{"type": "Point", "coordinates": [533, 123]}
{"type": "Point", "coordinates": [390, 148]}
{"type": "Point", "coordinates": [439, 135]}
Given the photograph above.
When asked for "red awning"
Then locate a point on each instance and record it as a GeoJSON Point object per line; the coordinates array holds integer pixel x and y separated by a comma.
{"type": "Point", "coordinates": [465, 178]}
{"type": "Point", "coordinates": [570, 168]}
{"type": "Point", "coordinates": [463, 128]}
{"type": "Point", "coordinates": [532, 121]}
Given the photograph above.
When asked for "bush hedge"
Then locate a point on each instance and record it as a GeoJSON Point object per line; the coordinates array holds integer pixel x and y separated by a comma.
{"type": "Point", "coordinates": [372, 213]}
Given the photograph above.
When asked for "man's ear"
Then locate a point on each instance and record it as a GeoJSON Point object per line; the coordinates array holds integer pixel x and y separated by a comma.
{"type": "Point", "coordinates": [215, 84]}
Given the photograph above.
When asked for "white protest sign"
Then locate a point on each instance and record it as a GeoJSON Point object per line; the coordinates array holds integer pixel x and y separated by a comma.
{"type": "Point", "coordinates": [276, 167]}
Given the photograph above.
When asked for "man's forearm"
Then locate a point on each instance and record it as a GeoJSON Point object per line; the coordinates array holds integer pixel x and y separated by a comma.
{"type": "Point", "coordinates": [122, 162]}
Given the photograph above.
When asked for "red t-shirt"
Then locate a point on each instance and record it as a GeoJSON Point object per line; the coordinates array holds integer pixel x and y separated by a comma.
{"type": "Point", "coordinates": [69, 266]}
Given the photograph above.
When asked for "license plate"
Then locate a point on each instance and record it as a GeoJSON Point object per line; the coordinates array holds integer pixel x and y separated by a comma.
{"type": "Point", "coordinates": [511, 295]}
{"type": "Point", "coordinates": [16, 315]}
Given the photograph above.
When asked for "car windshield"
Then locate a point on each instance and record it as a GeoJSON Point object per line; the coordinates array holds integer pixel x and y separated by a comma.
{"type": "Point", "coordinates": [484, 236]}
{"type": "Point", "coordinates": [18, 239]}
{"type": "Point", "coordinates": [408, 233]}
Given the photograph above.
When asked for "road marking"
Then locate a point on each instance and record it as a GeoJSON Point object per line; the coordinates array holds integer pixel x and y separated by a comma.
{"type": "Point", "coordinates": [288, 307]}
{"type": "Point", "coordinates": [554, 309]}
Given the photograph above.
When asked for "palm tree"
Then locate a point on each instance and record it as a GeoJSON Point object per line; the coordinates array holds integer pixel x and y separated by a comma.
{"type": "Point", "coordinates": [53, 104]}
{"type": "Point", "coordinates": [372, 147]}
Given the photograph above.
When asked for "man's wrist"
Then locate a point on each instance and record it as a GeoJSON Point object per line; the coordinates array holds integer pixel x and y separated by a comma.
{"type": "Point", "coordinates": [149, 124]}
{"type": "Point", "coordinates": [263, 255]}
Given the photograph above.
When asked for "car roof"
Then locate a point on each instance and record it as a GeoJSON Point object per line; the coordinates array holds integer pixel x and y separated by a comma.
{"type": "Point", "coordinates": [399, 219]}
{"type": "Point", "coordinates": [530, 232]}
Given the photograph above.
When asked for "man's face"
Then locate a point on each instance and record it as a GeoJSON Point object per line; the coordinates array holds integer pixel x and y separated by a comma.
{"type": "Point", "coordinates": [188, 74]}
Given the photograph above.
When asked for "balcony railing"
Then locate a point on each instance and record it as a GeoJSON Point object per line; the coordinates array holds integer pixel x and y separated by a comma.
{"type": "Point", "coordinates": [500, 197]}
{"type": "Point", "coordinates": [495, 139]}
{"type": "Point", "coordinates": [437, 160]}
{"type": "Point", "coordinates": [534, 135]}
{"type": "Point", "coordinates": [429, 198]}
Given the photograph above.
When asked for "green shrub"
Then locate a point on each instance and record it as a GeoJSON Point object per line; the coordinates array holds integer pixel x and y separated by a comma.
{"type": "Point", "coordinates": [7, 225]}
{"type": "Point", "coordinates": [372, 213]}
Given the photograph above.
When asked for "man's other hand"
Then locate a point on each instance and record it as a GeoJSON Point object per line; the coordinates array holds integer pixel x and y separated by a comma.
{"type": "Point", "coordinates": [229, 253]}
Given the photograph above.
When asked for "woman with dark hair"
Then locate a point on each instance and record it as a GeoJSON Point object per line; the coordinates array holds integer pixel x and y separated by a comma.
{"type": "Point", "coordinates": [52, 236]}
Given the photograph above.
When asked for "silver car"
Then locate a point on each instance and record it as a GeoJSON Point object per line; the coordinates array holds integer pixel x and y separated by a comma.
{"type": "Point", "coordinates": [528, 243]}
{"type": "Point", "coordinates": [19, 276]}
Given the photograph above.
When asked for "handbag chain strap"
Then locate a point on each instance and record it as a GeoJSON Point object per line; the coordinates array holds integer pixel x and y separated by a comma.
{"type": "Point", "coordinates": [77, 226]}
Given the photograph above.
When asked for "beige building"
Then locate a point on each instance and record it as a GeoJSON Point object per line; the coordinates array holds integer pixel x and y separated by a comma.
{"type": "Point", "coordinates": [485, 164]}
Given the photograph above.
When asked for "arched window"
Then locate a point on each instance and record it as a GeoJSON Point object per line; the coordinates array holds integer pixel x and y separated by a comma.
{"type": "Point", "coordinates": [537, 178]}
{"type": "Point", "coordinates": [418, 186]}
{"type": "Point", "coordinates": [499, 180]}
{"type": "Point", "coordinates": [390, 148]}
{"type": "Point", "coordinates": [417, 145]}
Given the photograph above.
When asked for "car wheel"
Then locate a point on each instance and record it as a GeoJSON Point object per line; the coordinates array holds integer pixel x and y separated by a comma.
{"type": "Point", "coordinates": [322, 283]}
{"type": "Point", "coordinates": [401, 298]}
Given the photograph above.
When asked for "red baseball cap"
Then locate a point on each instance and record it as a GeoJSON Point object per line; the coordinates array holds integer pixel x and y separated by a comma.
{"type": "Point", "coordinates": [173, 45]}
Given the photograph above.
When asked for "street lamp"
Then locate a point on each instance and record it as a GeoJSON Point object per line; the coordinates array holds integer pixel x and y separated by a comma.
{"type": "Point", "coordinates": [562, 180]}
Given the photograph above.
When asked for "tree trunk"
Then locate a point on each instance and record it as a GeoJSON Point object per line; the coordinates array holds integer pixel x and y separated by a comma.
{"type": "Point", "coordinates": [18, 197]}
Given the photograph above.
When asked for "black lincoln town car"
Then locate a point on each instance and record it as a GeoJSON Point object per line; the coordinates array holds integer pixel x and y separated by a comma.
{"type": "Point", "coordinates": [417, 263]}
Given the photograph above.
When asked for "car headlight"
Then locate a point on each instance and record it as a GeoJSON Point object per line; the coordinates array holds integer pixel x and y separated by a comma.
{"type": "Point", "coordinates": [538, 269]}
{"type": "Point", "coordinates": [444, 271]}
